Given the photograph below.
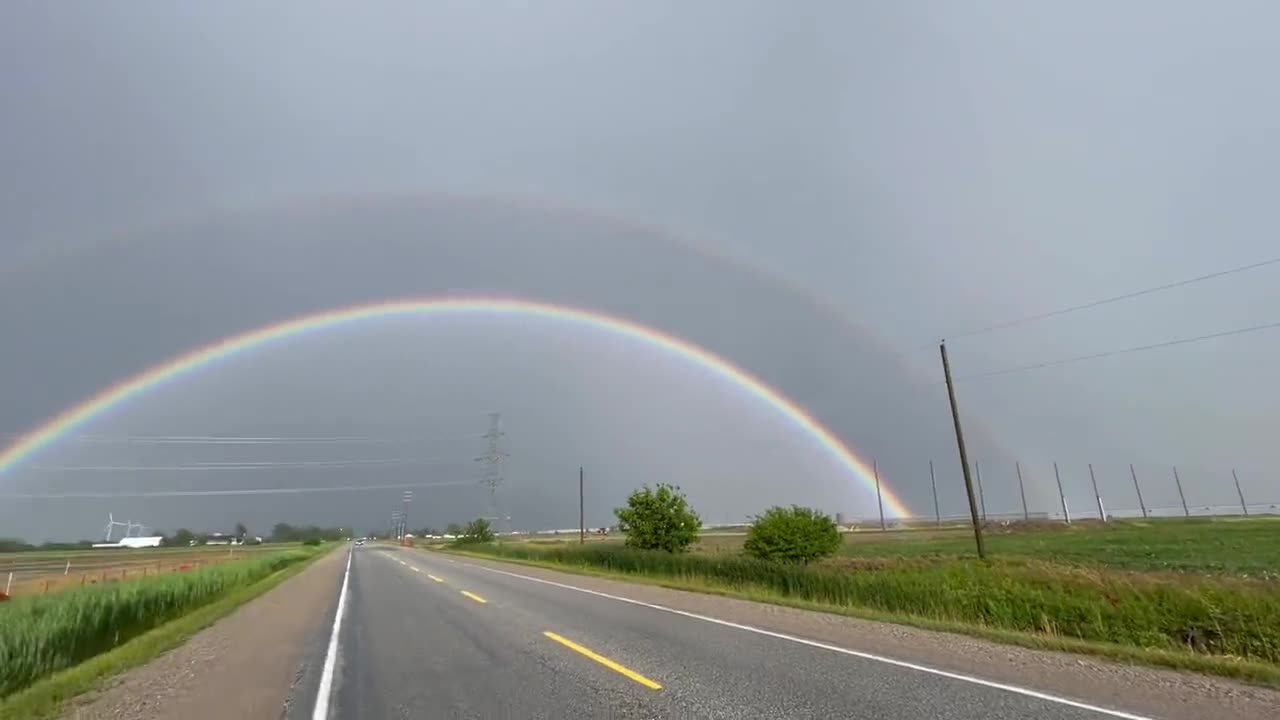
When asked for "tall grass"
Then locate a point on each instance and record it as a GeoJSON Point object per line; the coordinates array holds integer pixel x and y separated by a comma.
{"type": "Point", "coordinates": [40, 635]}
{"type": "Point", "coordinates": [1213, 615]}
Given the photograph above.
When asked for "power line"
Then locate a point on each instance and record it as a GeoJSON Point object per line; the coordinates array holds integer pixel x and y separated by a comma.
{"type": "Point", "coordinates": [243, 491]}
{"type": "Point", "coordinates": [242, 466]}
{"type": "Point", "coordinates": [1123, 351]}
{"type": "Point", "coordinates": [226, 440]}
{"type": "Point", "coordinates": [1115, 298]}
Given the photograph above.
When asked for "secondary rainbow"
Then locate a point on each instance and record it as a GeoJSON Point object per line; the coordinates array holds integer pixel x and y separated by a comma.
{"type": "Point", "coordinates": [194, 360]}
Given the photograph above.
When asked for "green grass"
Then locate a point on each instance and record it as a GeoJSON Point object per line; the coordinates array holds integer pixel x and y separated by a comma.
{"type": "Point", "coordinates": [45, 698]}
{"type": "Point", "coordinates": [41, 635]}
{"type": "Point", "coordinates": [1212, 623]}
{"type": "Point", "coordinates": [1248, 547]}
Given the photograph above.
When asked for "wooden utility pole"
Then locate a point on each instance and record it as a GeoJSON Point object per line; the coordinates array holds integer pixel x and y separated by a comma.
{"type": "Point", "coordinates": [875, 470]}
{"type": "Point", "coordinates": [582, 515]}
{"type": "Point", "coordinates": [1186, 512]}
{"type": "Point", "coordinates": [1243, 506]}
{"type": "Point", "coordinates": [1022, 491]}
{"type": "Point", "coordinates": [933, 483]}
{"type": "Point", "coordinates": [1138, 488]}
{"type": "Point", "coordinates": [964, 455]}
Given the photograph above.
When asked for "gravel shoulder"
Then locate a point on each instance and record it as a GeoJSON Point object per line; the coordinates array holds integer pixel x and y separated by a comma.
{"type": "Point", "coordinates": [243, 667]}
{"type": "Point", "coordinates": [1137, 689]}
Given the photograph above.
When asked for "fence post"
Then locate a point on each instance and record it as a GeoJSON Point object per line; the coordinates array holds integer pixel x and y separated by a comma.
{"type": "Point", "coordinates": [1022, 491]}
{"type": "Point", "coordinates": [8, 584]}
{"type": "Point", "coordinates": [933, 482]}
{"type": "Point", "coordinates": [1066, 514]}
{"type": "Point", "coordinates": [1178, 481]}
{"type": "Point", "coordinates": [1102, 512]}
{"type": "Point", "coordinates": [1243, 506]}
{"type": "Point", "coordinates": [1141, 504]}
{"type": "Point", "coordinates": [875, 470]}
{"type": "Point", "coordinates": [982, 499]}
{"type": "Point", "coordinates": [46, 587]}
{"type": "Point", "coordinates": [67, 569]}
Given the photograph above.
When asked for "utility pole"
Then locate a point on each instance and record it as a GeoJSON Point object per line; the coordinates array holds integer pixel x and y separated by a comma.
{"type": "Point", "coordinates": [1138, 488]}
{"type": "Point", "coordinates": [1022, 491]}
{"type": "Point", "coordinates": [1066, 514]}
{"type": "Point", "coordinates": [582, 516]}
{"type": "Point", "coordinates": [405, 499]}
{"type": "Point", "coordinates": [933, 483]}
{"type": "Point", "coordinates": [1243, 506]}
{"type": "Point", "coordinates": [875, 470]}
{"type": "Point", "coordinates": [1178, 481]}
{"type": "Point", "coordinates": [1102, 513]}
{"type": "Point", "coordinates": [494, 460]}
{"type": "Point", "coordinates": [982, 497]}
{"type": "Point", "coordinates": [964, 455]}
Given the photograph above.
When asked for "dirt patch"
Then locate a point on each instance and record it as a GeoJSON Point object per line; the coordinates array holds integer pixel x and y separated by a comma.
{"type": "Point", "coordinates": [243, 667]}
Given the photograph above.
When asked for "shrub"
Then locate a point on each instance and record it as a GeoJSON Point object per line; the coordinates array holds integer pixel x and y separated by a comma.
{"type": "Point", "coordinates": [795, 534]}
{"type": "Point", "coordinates": [476, 531]}
{"type": "Point", "coordinates": [659, 519]}
{"type": "Point", "coordinates": [311, 542]}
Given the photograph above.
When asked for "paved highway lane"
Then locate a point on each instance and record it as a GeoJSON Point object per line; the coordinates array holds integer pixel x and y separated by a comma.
{"type": "Point", "coordinates": [427, 637]}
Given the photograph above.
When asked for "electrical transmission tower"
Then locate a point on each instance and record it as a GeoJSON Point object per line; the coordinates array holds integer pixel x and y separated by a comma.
{"type": "Point", "coordinates": [494, 461]}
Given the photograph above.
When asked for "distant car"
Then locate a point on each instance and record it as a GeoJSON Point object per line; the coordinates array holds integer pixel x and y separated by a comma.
{"type": "Point", "coordinates": [360, 541]}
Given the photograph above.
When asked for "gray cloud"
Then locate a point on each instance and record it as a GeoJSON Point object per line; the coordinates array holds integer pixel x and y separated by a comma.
{"type": "Point", "coordinates": [918, 170]}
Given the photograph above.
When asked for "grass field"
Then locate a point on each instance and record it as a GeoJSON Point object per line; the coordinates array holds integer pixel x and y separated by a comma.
{"type": "Point", "coordinates": [1236, 546]}
{"type": "Point", "coordinates": [41, 635]}
{"type": "Point", "coordinates": [1200, 594]}
{"type": "Point", "coordinates": [38, 572]}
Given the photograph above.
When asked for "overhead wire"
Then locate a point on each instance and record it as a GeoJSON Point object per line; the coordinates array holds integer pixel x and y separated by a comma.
{"type": "Point", "coordinates": [1122, 351]}
{"type": "Point", "coordinates": [1013, 322]}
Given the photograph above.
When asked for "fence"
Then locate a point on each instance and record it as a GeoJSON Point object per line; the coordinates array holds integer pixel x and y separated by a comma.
{"type": "Point", "coordinates": [1053, 492]}
{"type": "Point", "coordinates": [38, 575]}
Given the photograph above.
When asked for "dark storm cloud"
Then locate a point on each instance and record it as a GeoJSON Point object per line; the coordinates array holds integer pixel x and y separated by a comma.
{"type": "Point", "coordinates": [924, 169]}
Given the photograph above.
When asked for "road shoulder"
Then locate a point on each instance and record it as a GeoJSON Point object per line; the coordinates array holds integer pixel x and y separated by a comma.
{"type": "Point", "coordinates": [1138, 689]}
{"type": "Point", "coordinates": [244, 666]}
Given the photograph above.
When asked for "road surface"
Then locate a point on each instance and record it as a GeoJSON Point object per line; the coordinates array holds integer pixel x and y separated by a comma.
{"type": "Point", "coordinates": [424, 635]}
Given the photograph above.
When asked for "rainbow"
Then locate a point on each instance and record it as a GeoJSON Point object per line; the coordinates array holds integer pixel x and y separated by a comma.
{"type": "Point", "coordinates": [203, 357]}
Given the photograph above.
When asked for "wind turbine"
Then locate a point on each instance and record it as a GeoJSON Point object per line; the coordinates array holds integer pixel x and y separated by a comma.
{"type": "Point", "coordinates": [112, 522]}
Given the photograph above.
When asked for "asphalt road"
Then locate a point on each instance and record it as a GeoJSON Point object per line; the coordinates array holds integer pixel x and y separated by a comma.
{"type": "Point", "coordinates": [427, 636]}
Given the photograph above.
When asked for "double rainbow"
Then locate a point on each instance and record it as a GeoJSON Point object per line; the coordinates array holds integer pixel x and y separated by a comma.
{"type": "Point", "coordinates": [174, 369]}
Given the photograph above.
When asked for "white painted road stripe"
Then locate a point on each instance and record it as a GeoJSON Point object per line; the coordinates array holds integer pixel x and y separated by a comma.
{"type": "Point", "coordinates": [321, 709]}
{"type": "Point", "coordinates": [1028, 692]}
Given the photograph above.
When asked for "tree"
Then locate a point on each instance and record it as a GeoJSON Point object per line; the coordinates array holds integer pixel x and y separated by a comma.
{"type": "Point", "coordinates": [453, 529]}
{"type": "Point", "coordinates": [241, 530]}
{"type": "Point", "coordinates": [659, 519]}
{"type": "Point", "coordinates": [476, 531]}
{"type": "Point", "coordinates": [181, 536]}
{"type": "Point", "coordinates": [795, 534]}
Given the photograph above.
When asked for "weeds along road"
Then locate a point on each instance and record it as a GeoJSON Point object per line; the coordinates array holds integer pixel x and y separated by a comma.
{"type": "Point", "coordinates": [431, 636]}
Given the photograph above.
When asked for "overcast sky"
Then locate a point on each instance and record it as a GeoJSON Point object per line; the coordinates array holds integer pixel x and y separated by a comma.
{"type": "Point", "coordinates": [815, 191]}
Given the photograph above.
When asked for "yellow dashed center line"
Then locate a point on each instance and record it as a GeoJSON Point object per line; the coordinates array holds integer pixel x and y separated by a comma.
{"type": "Point", "coordinates": [433, 577]}
{"type": "Point", "coordinates": [475, 597]}
{"type": "Point", "coordinates": [414, 569]}
{"type": "Point", "coordinates": [620, 669]}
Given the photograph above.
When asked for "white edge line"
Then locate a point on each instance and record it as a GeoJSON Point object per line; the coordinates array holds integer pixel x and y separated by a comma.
{"type": "Point", "coordinates": [833, 648]}
{"type": "Point", "coordinates": [321, 709]}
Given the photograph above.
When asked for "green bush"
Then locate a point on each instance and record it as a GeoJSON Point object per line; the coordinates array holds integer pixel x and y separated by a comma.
{"type": "Point", "coordinates": [479, 530]}
{"type": "Point", "coordinates": [41, 634]}
{"type": "Point", "coordinates": [311, 542]}
{"type": "Point", "coordinates": [795, 534]}
{"type": "Point", "coordinates": [659, 519]}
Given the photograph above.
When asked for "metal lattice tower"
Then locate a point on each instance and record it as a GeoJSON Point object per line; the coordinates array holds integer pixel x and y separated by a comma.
{"type": "Point", "coordinates": [494, 461]}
